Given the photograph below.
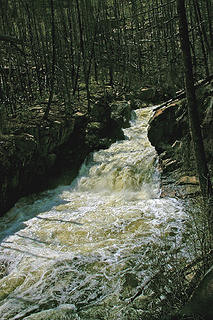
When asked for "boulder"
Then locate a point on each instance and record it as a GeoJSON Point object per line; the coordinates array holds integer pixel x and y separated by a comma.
{"type": "Point", "coordinates": [147, 94]}
{"type": "Point", "coordinates": [100, 110]}
{"type": "Point", "coordinates": [169, 133]}
{"type": "Point", "coordinates": [169, 165]}
{"type": "Point", "coordinates": [38, 150]}
{"type": "Point", "coordinates": [165, 127]}
{"type": "Point", "coordinates": [188, 180]}
{"type": "Point", "coordinates": [121, 113]}
{"type": "Point", "coordinates": [201, 301]}
{"type": "Point", "coordinates": [26, 158]}
{"type": "Point", "coordinates": [25, 146]}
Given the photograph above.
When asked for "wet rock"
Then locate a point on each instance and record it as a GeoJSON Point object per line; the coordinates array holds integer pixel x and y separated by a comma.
{"type": "Point", "coordinates": [137, 103]}
{"type": "Point", "coordinates": [121, 113]}
{"type": "Point", "coordinates": [25, 159]}
{"type": "Point", "coordinates": [100, 110]}
{"type": "Point", "coordinates": [50, 160]}
{"type": "Point", "coordinates": [131, 280]}
{"type": "Point", "coordinates": [39, 150]}
{"type": "Point", "coordinates": [188, 180]}
{"type": "Point", "coordinates": [169, 165]}
{"type": "Point", "coordinates": [25, 143]}
{"type": "Point", "coordinates": [169, 133]}
{"type": "Point", "coordinates": [3, 268]}
{"type": "Point", "coordinates": [106, 123]}
{"type": "Point", "coordinates": [94, 126]}
{"type": "Point", "coordinates": [147, 94]}
{"type": "Point", "coordinates": [25, 146]}
{"type": "Point", "coordinates": [201, 301]}
{"type": "Point", "coordinates": [164, 128]}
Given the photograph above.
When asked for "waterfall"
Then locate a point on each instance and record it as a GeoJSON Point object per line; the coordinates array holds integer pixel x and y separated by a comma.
{"type": "Point", "coordinates": [77, 252]}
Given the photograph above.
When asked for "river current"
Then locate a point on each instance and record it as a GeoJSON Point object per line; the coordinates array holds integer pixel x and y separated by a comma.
{"type": "Point", "coordinates": [80, 251]}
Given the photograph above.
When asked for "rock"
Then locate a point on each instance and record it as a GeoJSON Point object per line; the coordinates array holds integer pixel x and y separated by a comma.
{"type": "Point", "coordinates": [3, 268]}
{"type": "Point", "coordinates": [188, 180]}
{"type": "Point", "coordinates": [201, 301]}
{"type": "Point", "coordinates": [169, 133]}
{"type": "Point", "coordinates": [147, 94]}
{"type": "Point", "coordinates": [100, 110]}
{"type": "Point", "coordinates": [36, 151]}
{"type": "Point", "coordinates": [50, 160]}
{"type": "Point", "coordinates": [94, 126]}
{"type": "Point", "coordinates": [137, 103]}
{"type": "Point", "coordinates": [26, 158]}
{"type": "Point", "coordinates": [14, 180]}
{"type": "Point", "coordinates": [163, 128]}
{"type": "Point", "coordinates": [131, 280]}
{"type": "Point", "coordinates": [168, 125]}
{"type": "Point", "coordinates": [25, 145]}
{"type": "Point", "coordinates": [169, 165]}
{"type": "Point", "coordinates": [121, 113]}
{"type": "Point", "coordinates": [191, 190]}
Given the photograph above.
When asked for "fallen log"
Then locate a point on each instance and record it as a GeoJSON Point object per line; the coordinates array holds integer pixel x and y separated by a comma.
{"type": "Point", "coordinates": [182, 94]}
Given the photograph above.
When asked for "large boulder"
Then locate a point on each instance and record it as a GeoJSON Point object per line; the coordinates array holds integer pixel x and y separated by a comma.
{"type": "Point", "coordinates": [27, 157]}
{"type": "Point", "coordinates": [106, 123]}
{"type": "Point", "coordinates": [145, 96]}
{"type": "Point", "coordinates": [167, 125]}
{"type": "Point", "coordinates": [38, 150]}
{"type": "Point", "coordinates": [100, 110]}
{"type": "Point", "coordinates": [170, 135]}
{"type": "Point", "coordinates": [121, 113]}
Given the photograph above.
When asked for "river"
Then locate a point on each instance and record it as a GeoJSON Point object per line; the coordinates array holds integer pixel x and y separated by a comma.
{"type": "Point", "coordinates": [80, 251]}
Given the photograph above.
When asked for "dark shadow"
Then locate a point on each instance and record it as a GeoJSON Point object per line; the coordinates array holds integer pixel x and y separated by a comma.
{"type": "Point", "coordinates": [18, 223]}
{"type": "Point", "coordinates": [32, 239]}
{"type": "Point", "coordinates": [60, 220]}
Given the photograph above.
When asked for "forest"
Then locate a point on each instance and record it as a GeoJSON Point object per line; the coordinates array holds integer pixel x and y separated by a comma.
{"type": "Point", "coordinates": [60, 58]}
{"type": "Point", "coordinates": [65, 50]}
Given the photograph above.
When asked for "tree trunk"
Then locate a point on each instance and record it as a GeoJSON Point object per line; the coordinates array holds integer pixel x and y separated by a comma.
{"type": "Point", "coordinates": [82, 47]}
{"type": "Point", "coordinates": [52, 80]}
{"type": "Point", "coordinates": [193, 115]}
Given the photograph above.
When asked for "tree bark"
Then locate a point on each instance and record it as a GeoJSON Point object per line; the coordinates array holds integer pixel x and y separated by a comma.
{"type": "Point", "coordinates": [193, 115]}
{"type": "Point", "coordinates": [52, 80]}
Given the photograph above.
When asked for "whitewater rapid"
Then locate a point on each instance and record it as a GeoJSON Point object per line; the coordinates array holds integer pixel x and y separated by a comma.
{"type": "Point", "coordinates": [78, 251]}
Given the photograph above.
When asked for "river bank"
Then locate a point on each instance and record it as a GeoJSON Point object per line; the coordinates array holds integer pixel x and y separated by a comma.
{"type": "Point", "coordinates": [37, 154]}
{"type": "Point", "coordinates": [169, 133]}
{"type": "Point", "coordinates": [34, 152]}
{"type": "Point", "coordinates": [76, 218]}
{"type": "Point", "coordinates": [83, 251]}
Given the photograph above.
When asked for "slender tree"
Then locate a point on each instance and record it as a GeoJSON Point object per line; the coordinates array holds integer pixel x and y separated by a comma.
{"type": "Point", "coordinates": [193, 115]}
{"type": "Point", "coordinates": [52, 80]}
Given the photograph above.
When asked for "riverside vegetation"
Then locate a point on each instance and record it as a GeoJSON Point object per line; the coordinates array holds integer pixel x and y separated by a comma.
{"type": "Point", "coordinates": [70, 74]}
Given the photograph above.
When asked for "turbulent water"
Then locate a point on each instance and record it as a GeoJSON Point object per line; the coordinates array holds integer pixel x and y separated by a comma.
{"type": "Point", "coordinates": [79, 251]}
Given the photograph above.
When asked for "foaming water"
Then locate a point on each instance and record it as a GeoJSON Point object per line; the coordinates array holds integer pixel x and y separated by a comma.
{"type": "Point", "coordinates": [78, 251]}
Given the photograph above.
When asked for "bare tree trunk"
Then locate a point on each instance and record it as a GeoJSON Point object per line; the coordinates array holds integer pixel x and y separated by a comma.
{"type": "Point", "coordinates": [193, 115]}
{"type": "Point", "coordinates": [52, 81]}
{"type": "Point", "coordinates": [86, 72]}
